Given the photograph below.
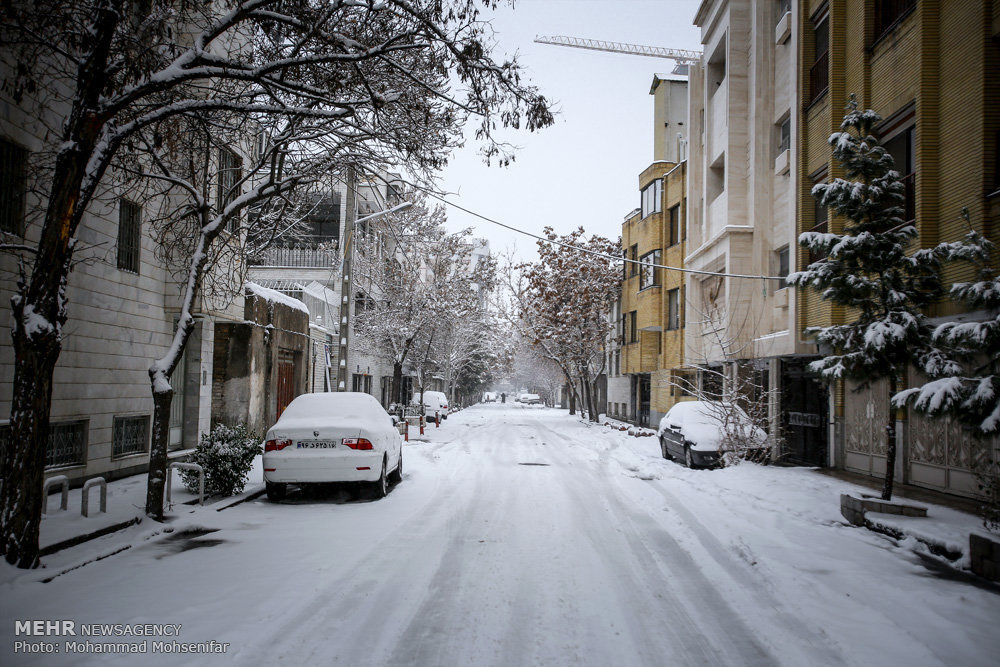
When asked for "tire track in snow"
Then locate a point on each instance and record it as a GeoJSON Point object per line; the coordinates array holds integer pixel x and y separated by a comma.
{"type": "Point", "coordinates": [689, 600]}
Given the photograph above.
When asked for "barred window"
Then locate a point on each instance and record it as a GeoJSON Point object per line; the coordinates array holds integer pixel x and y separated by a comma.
{"type": "Point", "coordinates": [129, 236]}
{"type": "Point", "coordinates": [130, 436]}
{"type": "Point", "coordinates": [13, 183]}
{"type": "Point", "coordinates": [67, 445]}
{"type": "Point", "coordinates": [230, 174]}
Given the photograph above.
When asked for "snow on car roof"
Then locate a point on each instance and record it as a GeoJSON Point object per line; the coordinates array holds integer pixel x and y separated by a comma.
{"type": "Point", "coordinates": [339, 404]}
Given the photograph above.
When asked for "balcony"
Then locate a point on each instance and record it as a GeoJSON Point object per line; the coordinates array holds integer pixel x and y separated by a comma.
{"type": "Point", "coordinates": [299, 256]}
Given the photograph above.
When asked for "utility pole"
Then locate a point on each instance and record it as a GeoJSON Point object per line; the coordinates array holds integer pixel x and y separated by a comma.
{"type": "Point", "coordinates": [346, 285]}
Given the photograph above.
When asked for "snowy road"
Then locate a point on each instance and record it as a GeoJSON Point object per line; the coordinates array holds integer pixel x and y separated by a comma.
{"type": "Point", "coordinates": [523, 536]}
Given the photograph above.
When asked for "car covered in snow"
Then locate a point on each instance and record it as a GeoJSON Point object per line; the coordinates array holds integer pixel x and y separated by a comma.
{"type": "Point", "coordinates": [529, 399]}
{"type": "Point", "coordinates": [435, 403]}
{"type": "Point", "coordinates": [489, 397]}
{"type": "Point", "coordinates": [332, 437]}
{"type": "Point", "coordinates": [700, 432]}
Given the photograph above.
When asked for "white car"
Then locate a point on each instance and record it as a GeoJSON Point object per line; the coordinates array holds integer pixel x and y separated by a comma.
{"type": "Point", "coordinates": [693, 431]}
{"type": "Point", "coordinates": [332, 437]}
{"type": "Point", "coordinates": [489, 397]}
{"type": "Point", "coordinates": [435, 403]}
{"type": "Point", "coordinates": [529, 399]}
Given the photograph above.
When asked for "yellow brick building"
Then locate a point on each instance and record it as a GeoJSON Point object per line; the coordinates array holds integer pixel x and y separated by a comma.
{"type": "Point", "coordinates": [931, 69]}
{"type": "Point", "coordinates": [652, 324]}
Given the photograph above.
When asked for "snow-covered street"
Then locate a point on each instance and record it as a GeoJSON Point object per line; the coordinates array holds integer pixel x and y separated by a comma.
{"type": "Point", "coordinates": [525, 536]}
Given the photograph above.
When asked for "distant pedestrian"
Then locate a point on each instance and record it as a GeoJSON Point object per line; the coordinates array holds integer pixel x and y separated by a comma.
{"type": "Point", "coordinates": [503, 397]}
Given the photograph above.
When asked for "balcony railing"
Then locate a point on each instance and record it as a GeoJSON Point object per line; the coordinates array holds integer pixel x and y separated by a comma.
{"type": "Point", "coordinates": [306, 256]}
{"type": "Point", "coordinates": [819, 77]}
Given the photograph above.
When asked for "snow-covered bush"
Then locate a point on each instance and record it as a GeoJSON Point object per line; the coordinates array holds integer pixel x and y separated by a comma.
{"type": "Point", "coordinates": [226, 454]}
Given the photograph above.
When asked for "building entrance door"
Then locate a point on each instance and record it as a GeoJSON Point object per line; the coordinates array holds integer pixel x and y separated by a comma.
{"type": "Point", "coordinates": [804, 407]}
{"type": "Point", "coordinates": [286, 380]}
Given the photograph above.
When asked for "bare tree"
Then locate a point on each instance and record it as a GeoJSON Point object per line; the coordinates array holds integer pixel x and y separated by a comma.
{"type": "Point", "coordinates": [397, 80]}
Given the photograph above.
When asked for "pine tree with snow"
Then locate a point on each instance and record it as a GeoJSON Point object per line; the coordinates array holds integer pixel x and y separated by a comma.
{"type": "Point", "coordinates": [964, 365]}
{"type": "Point", "coordinates": [867, 269]}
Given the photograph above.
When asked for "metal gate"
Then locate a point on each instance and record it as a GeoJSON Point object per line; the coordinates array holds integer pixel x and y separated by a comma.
{"type": "Point", "coordinates": [286, 380]}
{"type": "Point", "coordinates": [944, 456]}
{"type": "Point", "coordinates": [804, 407]}
{"type": "Point", "coordinates": [866, 413]}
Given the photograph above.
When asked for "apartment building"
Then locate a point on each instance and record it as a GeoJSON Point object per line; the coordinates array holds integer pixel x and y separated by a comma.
{"type": "Point", "coordinates": [651, 309]}
{"type": "Point", "coordinates": [931, 69]}
{"type": "Point", "coordinates": [743, 332]}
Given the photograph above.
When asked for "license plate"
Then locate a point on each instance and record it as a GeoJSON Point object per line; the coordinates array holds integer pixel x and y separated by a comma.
{"type": "Point", "coordinates": [316, 444]}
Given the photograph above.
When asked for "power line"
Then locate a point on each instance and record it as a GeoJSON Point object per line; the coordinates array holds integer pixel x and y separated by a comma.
{"type": "Point", "coordinates": [591, 252]}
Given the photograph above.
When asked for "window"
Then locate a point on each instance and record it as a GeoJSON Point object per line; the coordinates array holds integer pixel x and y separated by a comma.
{"type": "Point", "coordinates": [652, 198]}
{"type": "Point", "coordinates": [67, 444]}
{"type": "Point", "coordinates": [888, 13]}
{"type": "Point", "coordinates": [633, 327]}
{"type": "Point", "coordinates": [675, 224]}
{"type": "Point", "coordinates": [13, 183]}
{"type": "Point", "coordinates": [130, 436]}
{"type": "Point", "coordinates": [129, 235]}
{"type": "Point", "coordinates": [902, 149]}
{"type": "Point", "coordinates": [649, 275]}
{"type": "Point", "coordinates": [633, 255]}
{"type": "Point", "coordinates": [784, 136]}
{"type": "Point", "coordinates": [362, 383]}
{"type": "Point", "coordinates": [674, 309]}
{"type": "Point", "coordinates": [819, 73]}
{"type": "Point", "coordinates": [230, 174]}
{"type": "Point", "coordinates": [783, 7]}
{"type": "Point", "coordinates": [781, 258]}
{"type": "Point", "coordinates": [324, 220]}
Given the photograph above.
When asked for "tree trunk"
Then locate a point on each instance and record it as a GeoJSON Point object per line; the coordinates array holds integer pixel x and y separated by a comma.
{"type": "Point", "coordinates": [571, 395]}
{"type": "Point", "coordinates": [890, 443]}
{"type": "Point", "coordinates": [595, 403]}
{"type": "Point", "coordinates": [23, 456]}
{"type": "Point", "coordinates": [397, 382]}
{"type": "Point", "coordinates": [159, 444]}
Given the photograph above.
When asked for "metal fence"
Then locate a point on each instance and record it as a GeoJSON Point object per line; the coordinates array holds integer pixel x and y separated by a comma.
{"type": "Point", "coordinates": [309, 256]}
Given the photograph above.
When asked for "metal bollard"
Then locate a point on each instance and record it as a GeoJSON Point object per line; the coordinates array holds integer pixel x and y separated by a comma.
{"type": "Point", "coordinates": [422, 421]}
{"type": "Point", "coordinates": [187, 466]}
{"type": "Point", "coordinates": [85, 498]}
{"type": "Point", "coordinates": [437, 420]}
{"type": "Point", "coordinates": [406, 432]}
{"type": "Point", "coordinates": [61, 480]}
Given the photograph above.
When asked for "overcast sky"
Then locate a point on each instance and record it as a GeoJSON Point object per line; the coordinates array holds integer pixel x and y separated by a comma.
{"type": "Point", "coordinates": [584, 169]}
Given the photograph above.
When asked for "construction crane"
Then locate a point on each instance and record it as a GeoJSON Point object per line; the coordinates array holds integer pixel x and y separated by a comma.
{"type": "Point", "coordinates": [683, 57]}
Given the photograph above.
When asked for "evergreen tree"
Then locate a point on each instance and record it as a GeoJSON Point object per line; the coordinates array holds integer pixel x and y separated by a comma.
{"type": "Point", "coordinates": [868, 270]}
{"type": "Point", "coordinates": [964, 365]}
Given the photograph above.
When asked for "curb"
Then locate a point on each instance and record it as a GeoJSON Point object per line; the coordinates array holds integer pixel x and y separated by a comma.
{"type": "Point", "coordinates": [86, 537]}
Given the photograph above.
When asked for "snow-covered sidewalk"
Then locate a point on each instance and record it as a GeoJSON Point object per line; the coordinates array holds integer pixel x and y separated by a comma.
{"type": "Point", "coordinates": [529, 537]}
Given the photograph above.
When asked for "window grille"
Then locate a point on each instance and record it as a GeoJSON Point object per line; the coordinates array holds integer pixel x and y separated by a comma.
{"type": "Point", "coordinates": [129, 236]}
{"type": "Point", "coordinates": [13, 183]}
{"type": "Point", "coordinates": [230, 174]}
{"type": "Point", "coordinates": [130, 436]}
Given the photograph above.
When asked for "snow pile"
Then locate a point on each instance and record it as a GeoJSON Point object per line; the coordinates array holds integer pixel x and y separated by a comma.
{"type": "Point", "coordinates": [274, 296]}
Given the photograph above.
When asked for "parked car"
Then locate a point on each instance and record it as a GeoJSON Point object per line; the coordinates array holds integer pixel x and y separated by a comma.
{"type": "Point", "coordinates": [332, 437]}
{"type": "Point", "coordinates": [435, 403]}
{"type": "Point", "coordinates": [489, 397]}
{"type": "Point", "coordinates": [692, 431]}
{"type": "Point", "coordinates": [529, 399]}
